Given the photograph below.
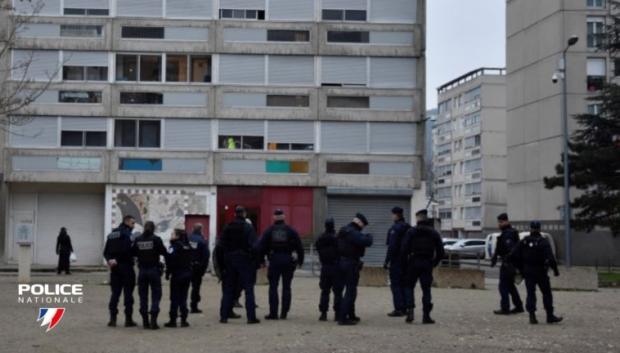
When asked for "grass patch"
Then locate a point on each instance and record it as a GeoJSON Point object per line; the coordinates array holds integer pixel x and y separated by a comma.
{"type": "Point", "coordinates": [609, 279]}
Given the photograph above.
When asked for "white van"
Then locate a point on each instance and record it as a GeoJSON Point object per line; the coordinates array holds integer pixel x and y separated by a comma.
{"type": "Point", "coordinates": [491, 242]}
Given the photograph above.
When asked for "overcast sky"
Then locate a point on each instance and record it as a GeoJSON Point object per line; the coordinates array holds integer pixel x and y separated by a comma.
{"type": "Point", "coordinates": [462, 35]}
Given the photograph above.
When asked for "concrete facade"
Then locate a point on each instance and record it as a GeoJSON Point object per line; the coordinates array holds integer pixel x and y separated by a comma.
{"type": "Point", "coordinates": [187, 168]}
{"type": "Point", "coordinates": [537, 33]}
{"type": "Point", "coordinates": [469, 153]}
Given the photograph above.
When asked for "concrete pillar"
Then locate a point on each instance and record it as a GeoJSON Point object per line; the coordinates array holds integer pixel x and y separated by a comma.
{"type": "Point", "coordinates": [24, 264]}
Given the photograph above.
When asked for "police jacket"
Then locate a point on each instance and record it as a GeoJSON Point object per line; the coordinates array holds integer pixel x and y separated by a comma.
{"type": "Point", "coordinates": [534, 256]}
{"type": "Point", "coordinates": [422, 242]}
{"type": "Point", "coordinates": [352, 243]}
{"type": "Point", "coordinates": [63, 244]}
{"type": "Point", "coordinates": [505, 243]}
{"type": "Point", "coordinates": [394, 239]}
{"type": "Point", "coordinates": [179, 257]}
{"type": "Point", "coordinates": [118, 245]}
{"type": "Point", "coordinates": [279, 241]}
{"type": "Point", "coordinates": [327, 247]}
{"type": "Point", "coordinates": [237, 236]}
{"type": "Point", "coordinates": [148, 247]}
{"type": "Point", "coordinates": [200, 250]}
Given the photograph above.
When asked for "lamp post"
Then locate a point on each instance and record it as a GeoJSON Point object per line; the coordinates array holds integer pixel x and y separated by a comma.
{"type": "Point", "coordinates": [567, 210]}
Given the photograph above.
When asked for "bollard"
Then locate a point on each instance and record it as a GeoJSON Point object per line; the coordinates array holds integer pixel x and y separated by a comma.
{"type": "Point", "coordinates": [24, 264]}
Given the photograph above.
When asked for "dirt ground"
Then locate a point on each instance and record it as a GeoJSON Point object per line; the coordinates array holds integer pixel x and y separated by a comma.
{"type": "Point", "coordinates": [465, 323]}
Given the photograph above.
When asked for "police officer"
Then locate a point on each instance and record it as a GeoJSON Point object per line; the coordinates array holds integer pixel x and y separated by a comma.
{"type": "Point", "coordinates": [392, 262]}
{"type": "Point", "coordinates": [200, 262]}
{"type": "Point", "coordinates": [422, 250]}
{"type": "Point", "coordinates": [508, 239]}
{"type": "Point", "coordinates": [535, 257]}
{"type": "Point", "coordinates": [278, 243]}
{"type": "Point", "coordinates": [148, 247]}
{"type": "Point", "coordinates": [327, 247]}
{"type": "Point", "coordinates": [179, 272]}
{"type": "Point", "coordinates": [237, 251]}
{"type": "Point", "coordinates": [119, 257]}
{"type": "Point", "coordinates": [351, 247]}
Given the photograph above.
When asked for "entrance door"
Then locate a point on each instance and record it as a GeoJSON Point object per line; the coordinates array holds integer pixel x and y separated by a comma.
{"type": "Point", "coordinates": [191, 220]}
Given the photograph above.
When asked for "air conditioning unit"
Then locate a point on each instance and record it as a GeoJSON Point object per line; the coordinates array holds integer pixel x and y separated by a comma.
{"type": "Point", "coordinates": [475, 223]}
{"type": "Point", "coordinates": [475, 199]}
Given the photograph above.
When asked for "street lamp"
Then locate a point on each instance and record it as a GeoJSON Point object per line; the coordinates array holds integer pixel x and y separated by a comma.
{"type": "Point", "coordinates": [567, 211]}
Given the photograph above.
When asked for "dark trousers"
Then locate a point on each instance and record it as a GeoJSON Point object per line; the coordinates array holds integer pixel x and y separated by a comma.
{"type": "Point", "coordinates": [149, 278]}
{"type": "Point", "coordinates": [350, 276]}
{"type": "Point", "coordinates": [329, 282]}
{"type": "Point", "coordinates": [274, 273]}
{"type": "Point", "coordinates": [122, 280]}
{"type": "Point", "coordinates": [179, 287]}
{"type": "Point", "coordinates": [508, 289]}
{"type": "Point", "coordinates": [63, 262]}
{"type": "Point", "coordinates": [197, 274]}
{"type": "Point", "coordinates": [239, 269]}
{"type": "Point", "coordinates": [542, 281]}
{"type": "Point", "coordinates": [396, 286]}
{"type": "Point", "coordinates": [419, 270]}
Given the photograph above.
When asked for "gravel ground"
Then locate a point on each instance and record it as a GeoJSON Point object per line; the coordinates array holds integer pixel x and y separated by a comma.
{"type": "Point", "coordinates": [465, 323]}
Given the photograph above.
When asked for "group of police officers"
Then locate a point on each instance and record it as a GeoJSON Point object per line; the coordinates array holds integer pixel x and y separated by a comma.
{"type": "Point", "coordinates": [412, 253]}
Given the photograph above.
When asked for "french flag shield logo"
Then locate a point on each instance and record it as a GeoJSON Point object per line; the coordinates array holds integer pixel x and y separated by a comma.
{"type": "Point", "coordinates": [50, 317]}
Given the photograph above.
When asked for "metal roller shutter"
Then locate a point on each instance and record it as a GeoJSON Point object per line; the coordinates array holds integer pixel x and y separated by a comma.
{"type": "Point", "coordinates": [81, 58]}
{"type": "Point", "coordinates": [395, 103]}
{"type": "Point", "coordinates": [343, 70]}
{"type": "Point", "coordinates": [242, 69]}
{"type": "Point", "coordinates": [391, 38]}
{"type": "Point", "coordinates": [393, 72]}
{"type": "Point", "coordinates": [396, 169]}
{"type": "Point", "coordinates": [40, 132]}
{"type": "Point", "coordinates": [81, 214]}
{"type": "Point", "coordinates": [185, 99]}
{"type": "Point", "coordinates": [242, 4]}
{"type": "Point", "coordinates": [87, 4]}
{"type": "Point", "coordinates": [187, 134]}
{"type": "Point", "coordinates": [234, 100]}
{"type": "Point", "coordinates": [344, 4]}
{"type": "Point", "coordinates": [241, 128]}
{"type": "Point", "coordinates": [189, 8]}
{"type": "Point", "coordinates": [393, 11]}
{"type": "Point", "coordinates": [139, 8]}
{"type": "Point", "coordinates": [290, 131]}
{"type": "Point", "coordinates": [393, 137]}
{"type": "Point", "coordinates": [291, 10]}
{"type": "Point", "coordinates": [344, 137]}
{"type": "Point", "coordinates": [377, 210]}
{"type": "Point", "coordinates": [83, 124]}
{"type": "Point", "coordinates": [43, 64]}
{"type": "Point", "coordinates": [245, 35]}
{"type": "Point", "coordinates": [296, 70]}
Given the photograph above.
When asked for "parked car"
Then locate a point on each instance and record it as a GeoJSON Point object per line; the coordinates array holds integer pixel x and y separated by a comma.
{"type": "Point", "coordinates": [448, 241]}
{"type": "Point", "coordinates": [467, 248]}
{"type": "Point", "coordinates": [491, 243]}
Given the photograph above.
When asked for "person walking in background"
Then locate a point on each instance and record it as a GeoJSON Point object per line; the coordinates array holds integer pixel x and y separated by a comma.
{"type": "Point", "coordinates": [64, 250]}
{"type": "Point", "coordinates": [327, 247]}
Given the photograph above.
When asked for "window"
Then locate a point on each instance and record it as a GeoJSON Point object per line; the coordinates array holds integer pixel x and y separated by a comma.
{"type": "Point", "coordinates": [348, 168]}
{"type": "Point", "coordinates": [472, 213]}
{"type": "Point", "coordinates": [280, 35]}
{"type": "Point", "coordinates": [443, 107]}
{"type": "Point", "coordinates": [137, 133]}
{"type": "Point", "coordinates": [143, 32]}
{"type": "Point", "coordinates": [443, 193]}
{"type": "Point", "coordinates": [272, 146]}
{"type": "Point", "coordinates": [344, 15]}
{"type": "Point", "coordinates": [617, 67]}
{"type": "Point", "coordinates": [445, 214]}
{"type": "Point", "coordinates": [443, 128]}
{"type": "Point", "coordinates": [348, 102]}
{"type": "Point", "coordinates": [446, 148]}
{"type": "Point", "coordinates": [596, 29]}
{"type": "Point", "coordinates": [471, 120]}
{"type": "Point", "coordinates": [472, 166]}
{"type": "Point", "coordinates": [594, 109]}
{"type": "Point", "coordinates": [200, 68]}
{"type": "Point", "coordinates": [128, 69]}
{"type": "Point", "coordinates": [444, 170]}
{"type": "Point", "coordinates": [242, 14]}
{"type": "Point", "coordinates": [83, 138]}
{"type": "Point", "coordinates": [142, 98]}
{"type": "Point", "coordinates": [79, 96]}
{"type": "Point", "coordinates": [473, 189]}
{"type": "Point", "coordinates": [188, 68]}
{"type": "Point", "coordinates": [177, 68]}
{"type": "Point", "coordinates": [276, 100]}
{"type": "Point", "coordinates": [597, 72]}
{"type": "Point", "coordinates": [81, 31]}
{"type": "Point", "coordinates": [348, 37]}
{"type": "Point", "coordinates": [472, 141]}
{"type": "Point", "coordinates": [84, 73]}
{"type": "Point", "coordinates": [228, 142]}
{"type": "Point", "coordinates": [595, 3]}
{"type": "Point", "coordinates": [287, 167]}
{"type": "Point", "coordinates": [86, 12]}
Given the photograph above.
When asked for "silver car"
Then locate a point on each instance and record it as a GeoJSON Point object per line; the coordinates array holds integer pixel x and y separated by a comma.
{"type": "Point", "coordinates": [467, 248]}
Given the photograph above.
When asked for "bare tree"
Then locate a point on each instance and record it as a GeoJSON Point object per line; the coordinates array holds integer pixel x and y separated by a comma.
{"type": "Point", "coordinates": [17, 89]}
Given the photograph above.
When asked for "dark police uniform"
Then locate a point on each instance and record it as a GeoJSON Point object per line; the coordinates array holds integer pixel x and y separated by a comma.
{"type": "Point", "coordinates": [422, 250]}
{"type": "Point", "coordinates": [179, 270]}
{"type": "Point", "coordinates": [122, 276]}
{"type": "Point", "coordinates": [148, 247]}
{"type": "Point", "coordinates": [237, 252]}
{"type": "Point", "coordinates": [506, 242]}
{"type": "Point", "coordinates": [327, 247]}
{"type": "Point", "coordinates": [279, 242]}
{"type": "Point", "coordinates": [200, 262]}
{"type": "Point", "coordinates": [535, 257]}
{"type": "Point", "coordinates": [392, 261]}
{"type": "Point", "coordinates": [64, 250]}
{"type": "Point", "coordinates": [351, 247]}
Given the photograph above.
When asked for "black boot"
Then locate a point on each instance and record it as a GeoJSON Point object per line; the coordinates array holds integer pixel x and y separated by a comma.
{"type": "Point", "coordinates": [195, 310]}
{"type": "Point", "coordinates": [533, 319]}
{"type": "Point", "coordinates": [184, 322]}
{"type": "Point", "coordinates": [112, 322]}
{"type": "Point", "coordinates": [283, 316]}
{"type": "Point", "coordinates": [517, 310]}
{"type": "Point", "coordinates": [552, 319]}
{"type": "Point", "coordinates": [234, 315]}
{"type": "Point", "coordinates": [253, 321]}
{"type": "Point", "coordinates": [396, 313]}
{"type": "Point", "coordinates": [409, 318]}
{"type": "Point", "coordinates": [145, 321]}
{"type": "Point", "coordinates": [426, 318]}
{"type": "Point", "coordinates": [323, 316]}
{"type": "Point", "coordinates": [172, 323]}
{"type": "Point", "coordinates": [271, 317]}
{"type": "Point", "coordinates": [153, 322]}
{"type": "Point", "coordinates": [129, 321]}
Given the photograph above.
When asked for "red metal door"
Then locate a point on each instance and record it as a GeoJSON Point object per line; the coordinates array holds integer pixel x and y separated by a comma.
{"type": "Point", "coordinates": [191, 220]}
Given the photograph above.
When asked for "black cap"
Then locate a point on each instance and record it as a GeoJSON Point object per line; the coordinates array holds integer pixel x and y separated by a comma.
{"type": "Point", "coordinates": [397, 210]}
{"type": "Point", "coordinates": [423, 212]}
{"type": "Point", "coordinates": [535, 225]}
{"type": "Point", "coordinates": [362, 218]}
{"type": "Point", "coordinates": [329, 223]}
{"type": "Point", "coordinates": [239, 210]}
{"type": "Point", "coordinates": [278, 212]}
{"type": "Point", "coordinates": [502, 217]}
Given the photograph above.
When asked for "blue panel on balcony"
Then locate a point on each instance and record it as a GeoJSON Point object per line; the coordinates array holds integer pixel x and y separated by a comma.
{"type": "Point", "coordinates": [141, 164]}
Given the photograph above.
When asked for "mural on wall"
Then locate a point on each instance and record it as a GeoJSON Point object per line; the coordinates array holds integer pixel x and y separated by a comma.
{"type": "Point", "coordinates": [165, 207]}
